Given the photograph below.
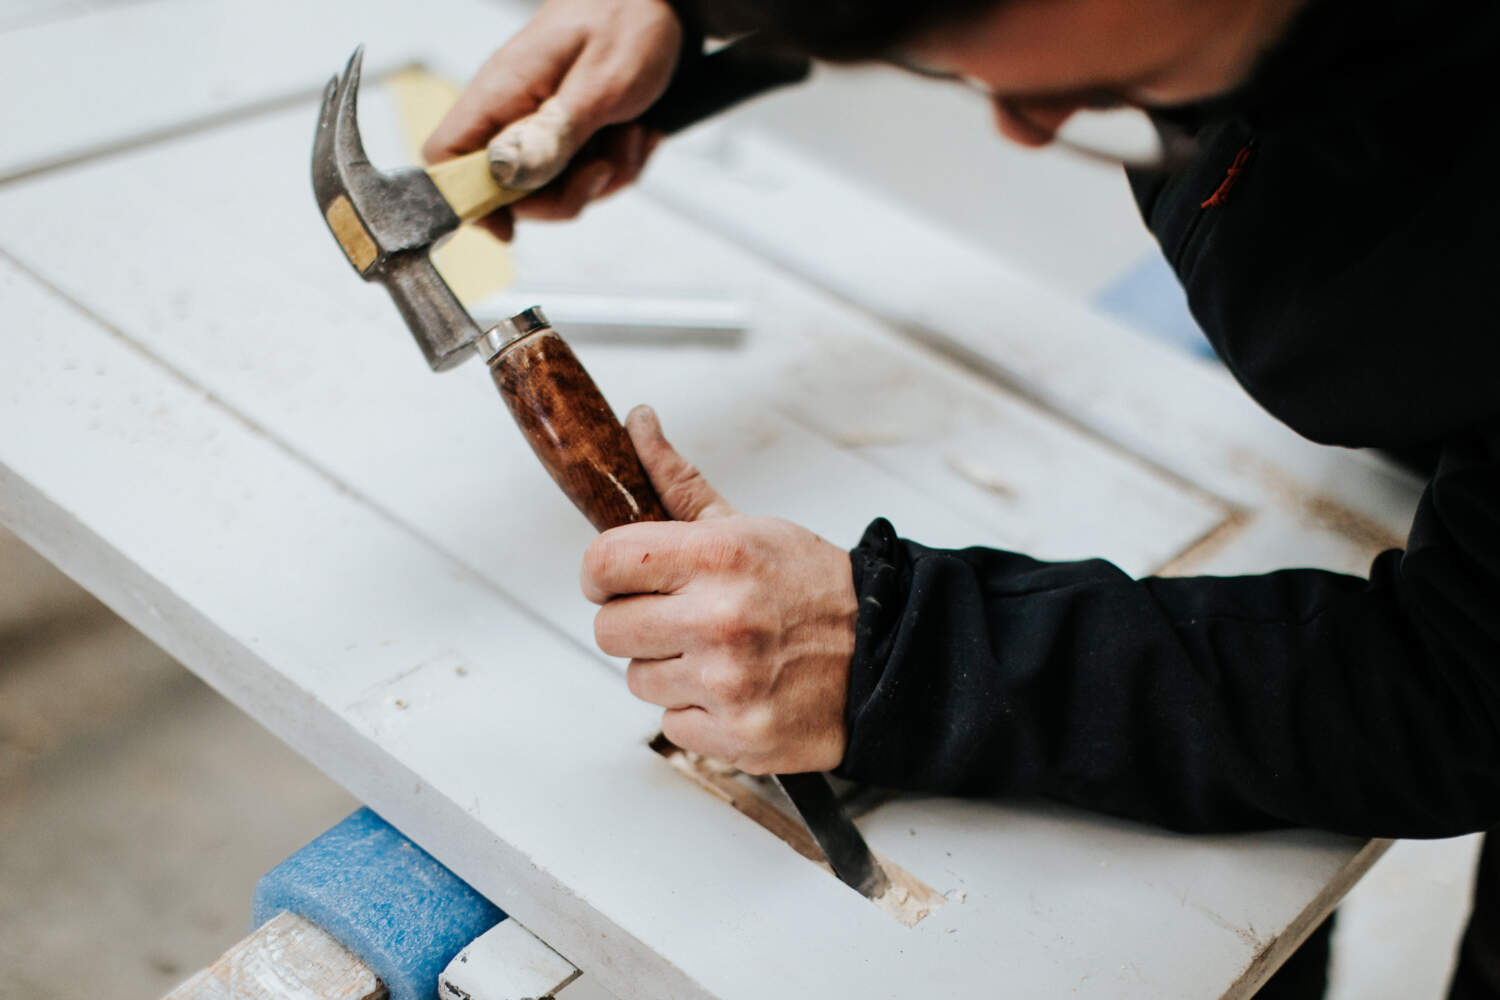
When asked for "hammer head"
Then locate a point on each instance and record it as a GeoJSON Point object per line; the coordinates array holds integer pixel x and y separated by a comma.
{"type": "Point", "coordinates": [386, 224]}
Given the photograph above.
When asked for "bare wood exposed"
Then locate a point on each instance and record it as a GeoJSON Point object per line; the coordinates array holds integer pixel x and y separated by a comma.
{"type": "Point", "coordinates": [286, 958]}
{"type": "Point", "coordinates": [908, 898]}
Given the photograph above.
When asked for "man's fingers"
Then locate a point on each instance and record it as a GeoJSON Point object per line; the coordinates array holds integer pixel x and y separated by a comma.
{"type": "Point", "coordinates": [684, 492]}
{"type": "Point", "coordinates": [507, 87]}
{"type": "Point", "coordinates": [643, 626]}
{"type": "Point", "coordinates": [530, 152]}
{"type": "Point", "coordinates": [625, 148]}
{"type": "Point", "coordinates": [646, 558]}
{"type": "Point", "coordinates": [501, 224]}
{"type": "Point", "coordinates": [568, 195]}
{"type": "Point", "coordinates": [597, 91]}
{"type": "Point", "coordinates": [670, 682]}
{"type": "Point", "coordinates": [575, 68]}
{"type": "Point", "coordinates": [694, 729]}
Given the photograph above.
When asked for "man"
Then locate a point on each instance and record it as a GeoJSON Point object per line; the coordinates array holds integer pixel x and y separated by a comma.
{"type": "Point", "coordinates": [1334, 233]}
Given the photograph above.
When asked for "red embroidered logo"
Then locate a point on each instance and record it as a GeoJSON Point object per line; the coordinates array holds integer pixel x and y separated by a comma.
{"type": "Point", "coordinates": [1236, 168]}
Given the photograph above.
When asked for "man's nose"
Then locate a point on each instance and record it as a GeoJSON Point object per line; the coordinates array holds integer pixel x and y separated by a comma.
{"type": "Point", "coordinates": [1032, 123]}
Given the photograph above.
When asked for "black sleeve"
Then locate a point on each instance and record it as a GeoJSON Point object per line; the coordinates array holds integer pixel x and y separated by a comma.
{"type": "Point", "coordinates": [1301, 697]}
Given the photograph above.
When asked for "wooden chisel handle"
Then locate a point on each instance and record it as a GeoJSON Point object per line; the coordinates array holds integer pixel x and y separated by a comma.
{"type": "Point", "coordinates": [566, 420]}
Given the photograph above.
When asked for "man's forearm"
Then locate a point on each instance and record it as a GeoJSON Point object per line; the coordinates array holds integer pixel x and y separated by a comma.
{"type": "Point", "coordinates": [1295, 698]}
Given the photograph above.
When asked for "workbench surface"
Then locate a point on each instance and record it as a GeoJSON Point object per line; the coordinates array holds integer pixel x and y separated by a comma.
{"type": "Point", "coordinates": [208, 421]}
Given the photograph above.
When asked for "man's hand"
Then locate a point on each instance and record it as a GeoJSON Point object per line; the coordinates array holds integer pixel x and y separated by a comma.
{"type": "Point", "coordinates": [742, 628]}
{"type": "Point", "coordinates": [578, 66]}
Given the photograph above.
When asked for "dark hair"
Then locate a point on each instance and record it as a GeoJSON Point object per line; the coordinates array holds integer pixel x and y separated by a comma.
{"type": "Point", "coordinates": [839, 30]}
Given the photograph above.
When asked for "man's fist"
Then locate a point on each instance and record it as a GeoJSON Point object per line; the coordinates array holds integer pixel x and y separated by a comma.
{"type": "Point", "coordinates": [741, 627]}
{"type": "Point", "coordinates": [578, 66]}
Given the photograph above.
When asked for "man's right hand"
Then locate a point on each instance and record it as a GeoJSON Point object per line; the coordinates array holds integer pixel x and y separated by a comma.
{"type": "Point", "coordinates": [578, 66]}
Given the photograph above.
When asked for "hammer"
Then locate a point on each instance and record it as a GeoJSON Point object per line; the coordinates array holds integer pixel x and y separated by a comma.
{"type": "Point", "coordinates": [387, 224]}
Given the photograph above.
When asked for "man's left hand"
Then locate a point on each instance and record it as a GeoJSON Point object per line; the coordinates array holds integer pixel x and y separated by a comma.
{"type": "Point", "coordinates": [740, 627]}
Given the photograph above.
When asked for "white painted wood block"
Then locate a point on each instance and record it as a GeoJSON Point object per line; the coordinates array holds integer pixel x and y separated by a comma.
{"type": "Point", "coordinates": [506, 962]}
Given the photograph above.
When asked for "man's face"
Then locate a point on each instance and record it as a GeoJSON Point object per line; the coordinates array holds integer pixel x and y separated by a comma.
{"type": "Point", "coordinates": [1045, 59]}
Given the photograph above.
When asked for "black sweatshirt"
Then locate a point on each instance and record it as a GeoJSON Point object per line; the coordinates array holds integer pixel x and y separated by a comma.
{"type": "Point", "coordinates": [1346, 277]}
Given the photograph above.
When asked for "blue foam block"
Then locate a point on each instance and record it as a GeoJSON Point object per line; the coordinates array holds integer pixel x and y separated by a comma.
{"type": "Point", "coordinates": [384, 897]}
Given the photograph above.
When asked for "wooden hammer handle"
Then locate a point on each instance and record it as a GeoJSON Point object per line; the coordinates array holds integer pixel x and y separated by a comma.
{"type": "Point", "coordinates": [568, 423]}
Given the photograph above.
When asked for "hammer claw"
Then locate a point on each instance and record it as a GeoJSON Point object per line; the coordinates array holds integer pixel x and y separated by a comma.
{"type": "Point", "coordinates": [325, 113]}
{"type": "Point", "coordinates": [346, 142]}
{"type": "Point", "coordinates": [323, 145]}
{"type": "Point", "coordinates": [387, 222]}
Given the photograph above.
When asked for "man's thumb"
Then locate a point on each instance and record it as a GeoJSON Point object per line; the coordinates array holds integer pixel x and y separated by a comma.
{"type": "Point", "coordinates": [684, 492]}
{"type": "Point", "coordinates": [530, 151]}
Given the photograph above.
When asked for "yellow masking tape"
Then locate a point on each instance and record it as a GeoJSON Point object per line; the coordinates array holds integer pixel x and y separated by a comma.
{"type": "Point", "coordinates": [474, 263]}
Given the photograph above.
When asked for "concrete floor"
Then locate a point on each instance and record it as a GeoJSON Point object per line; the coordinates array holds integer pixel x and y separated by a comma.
{"type": "Point", "coordinates": [137, 807]}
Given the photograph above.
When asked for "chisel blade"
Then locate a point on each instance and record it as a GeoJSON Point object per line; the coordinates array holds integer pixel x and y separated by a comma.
{"type": "Point", "coordinates": [843, 845]}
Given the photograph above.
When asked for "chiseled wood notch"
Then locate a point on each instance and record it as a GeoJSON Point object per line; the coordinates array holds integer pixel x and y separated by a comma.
{"type": "Point", "coordinates": [572, 429]}
{"type": "Point", "coordinates": [908, 898]}
{"type": "Point", "coordinates": [287, 958]}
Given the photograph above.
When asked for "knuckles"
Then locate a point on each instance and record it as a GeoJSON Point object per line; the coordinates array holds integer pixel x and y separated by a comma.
{"type": "Point", "coordinates": [683, 484]}
{"type": "Point", "coordinates": [726, 548]}
{"type": "Point", "coordinates": [732, 571]}
{"type": "Point", "coordinates": [755, 730]}
{"type": "Point", "coordinates": [731, 685]}
{"type": "Point", "coordinates": [730, 622]}
{"type": "Point", "coordinates": [599, 557]}
{"type": "Point", "coordinates": [756, 736]}
{"type": "Point", "coordinates": [756, 740]}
